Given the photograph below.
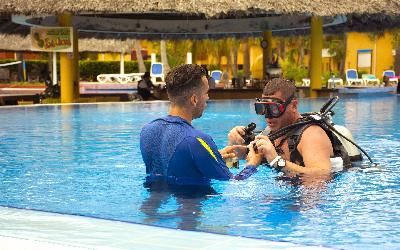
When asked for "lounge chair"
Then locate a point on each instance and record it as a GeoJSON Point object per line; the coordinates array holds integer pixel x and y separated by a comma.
{"type": "Point", "coordinates": [370, 79]}
{"type": "Point", "coordinates": [305, 82]}
{"type": "Point", "coordinates": [217, 75]}
{"type": "Point", "coordinates": [392, 76]}
{"type": "Point", "coordinates": [352, 77]}
{"type": "Point", "coordinates": [119, 78]}
{"type": "Point", "coordinates": [334, 81]}
{"type": "Point", "coordinates": [157, 70]}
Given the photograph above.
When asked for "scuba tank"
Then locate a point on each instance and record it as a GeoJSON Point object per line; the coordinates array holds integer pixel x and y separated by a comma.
{"type": "Point", "coordinates": [353, 152]}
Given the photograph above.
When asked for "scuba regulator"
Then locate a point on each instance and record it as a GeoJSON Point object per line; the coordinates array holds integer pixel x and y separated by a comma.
{"type": "Point", "coordinates": [249, 135]}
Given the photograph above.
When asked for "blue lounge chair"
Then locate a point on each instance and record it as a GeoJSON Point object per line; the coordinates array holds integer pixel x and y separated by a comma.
{"type": "Point", "coordinates": [352, 77]}
{"type": "Point", "coordinates": [157, 70]}
{"type": "Point", "coordinates": [392, 76]}
{"type": "Point", "coordinates": [217, 75]}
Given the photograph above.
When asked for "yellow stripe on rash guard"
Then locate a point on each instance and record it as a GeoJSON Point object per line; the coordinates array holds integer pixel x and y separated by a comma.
{"type": "Point", "coordinates": [205, 145]}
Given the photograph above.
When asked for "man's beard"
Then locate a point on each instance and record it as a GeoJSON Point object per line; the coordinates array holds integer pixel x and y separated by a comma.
{"type": "Point", "coordinates": [198, 113]}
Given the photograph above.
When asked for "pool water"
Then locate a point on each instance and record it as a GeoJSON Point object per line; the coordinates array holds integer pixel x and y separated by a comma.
{"type": "Point", "coordinates": [85, 160]}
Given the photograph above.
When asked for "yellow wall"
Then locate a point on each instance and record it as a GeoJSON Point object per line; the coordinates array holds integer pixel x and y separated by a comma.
{"type": "Point", "coordinates": [382, 57]}
{"type": "Point", "coordinates": [112, 57]}
{"type": "Point", "coordinates": [329, 64]}
{"type": "Point", "coordinates": [146, 45]}
{"type": "Point", "coordinates": [256, 62]}
{"type": "Point", "coordinates": [355, 41]}
{"type": "Point", "coordinates": [385, 59]}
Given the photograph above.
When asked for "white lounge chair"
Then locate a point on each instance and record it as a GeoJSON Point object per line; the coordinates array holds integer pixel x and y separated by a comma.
{"type": "Point", "coordinates": [334, 81]}
{"type": "Point", "coordinates": [305, 82]}
{"type": "Point", "coordinates": [119, 78]}
{"type": "Point", "coordinates": [352, 77]}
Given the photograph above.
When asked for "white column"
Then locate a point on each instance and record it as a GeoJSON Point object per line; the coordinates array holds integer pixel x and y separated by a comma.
{"type": "Point", "coordinates": [55, 80]}
{"type": "Point", "coordinates": [153, 57]}
{"type": "Point", "coordinates": [122, 63]}
{"type": "Point", "coordinates": [189, 58]}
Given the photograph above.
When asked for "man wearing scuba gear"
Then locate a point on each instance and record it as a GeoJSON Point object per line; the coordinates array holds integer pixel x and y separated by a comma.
{"type": "Point", "coordinates": [173, 151]}
{"type": "Point", "coordinates": [306, 150]}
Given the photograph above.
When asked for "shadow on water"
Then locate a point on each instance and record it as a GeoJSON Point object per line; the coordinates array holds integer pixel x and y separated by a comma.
{"type": "Point", "coordinates": [189, 201]}
{"type": "Point", "coordinates": [307, 192]}
{"type": "Point", "coordinates": [183, 205]}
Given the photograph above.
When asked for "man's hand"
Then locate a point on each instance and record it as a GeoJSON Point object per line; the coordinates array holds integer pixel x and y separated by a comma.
{"type": "Point", "coordinates": [265, 147]}
{"type": "Point", "coordinates": [232, 151]}
{"type": "Point", "coordinates": [235, 136]}
{"type": "Point", "coordinates": [253, 158]}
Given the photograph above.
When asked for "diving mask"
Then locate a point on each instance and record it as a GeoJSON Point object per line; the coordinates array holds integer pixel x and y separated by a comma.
{"type": "Point", "coordinates": [271, 107]}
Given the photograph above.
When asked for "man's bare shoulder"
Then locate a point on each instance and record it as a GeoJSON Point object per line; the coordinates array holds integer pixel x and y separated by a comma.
{"type": "Point", "coordinates": [314, 130]}
{"type": "Point", "coordinates": [314, 135]}
{"type": "Point", "coordinates": [315, 146]}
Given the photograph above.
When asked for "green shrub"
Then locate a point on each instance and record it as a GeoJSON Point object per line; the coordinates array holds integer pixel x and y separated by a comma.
{"type": "Point", "coordinates": [212, 67]}
{"type": "Point", "coordinates": [89, 70]}
{"type": "Point", "coordinates": [240, 73]}
{"type": "Point", "coordinates": [327, 75]}
{"type": "Point", "coordinates": [296, 73]}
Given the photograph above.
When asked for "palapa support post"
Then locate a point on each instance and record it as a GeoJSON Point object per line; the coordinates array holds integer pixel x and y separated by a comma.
{"type": "Point", "coordinates": [54, 66]}
{"type": "Point", "coordinates": [69, 67]}
{"type": "Point", "coordinates": [189, 58]}
{"type": "Point", "coordinates": [266, 44]}
{"type": "Point", "coordinates": [122, 62]}
{"type": "Point", "coordinates": [316, 56]}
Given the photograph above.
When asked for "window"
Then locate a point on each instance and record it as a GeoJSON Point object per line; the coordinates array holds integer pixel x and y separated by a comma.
{"type": "Point", "coordinates": [364, 58]}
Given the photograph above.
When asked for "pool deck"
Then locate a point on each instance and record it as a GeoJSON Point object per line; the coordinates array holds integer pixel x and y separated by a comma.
{"type": "Point", "coordinates": [27, 229]}
{"type": "Point", "coordinates": [97, 92]}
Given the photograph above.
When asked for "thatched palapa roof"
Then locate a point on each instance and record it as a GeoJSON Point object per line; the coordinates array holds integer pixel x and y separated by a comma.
{"type": "Point", "coordinates": [208, 8]}
{"type": "Point", "coordinates": [15, 42]}
{"type": "Point", "coordinates": [198, 19]}
{"type": "Point", "coordinates": [104, 23]}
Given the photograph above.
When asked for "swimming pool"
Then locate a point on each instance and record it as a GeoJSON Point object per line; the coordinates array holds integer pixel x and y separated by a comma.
{"type": "Point", "coordinates": [85, 160]}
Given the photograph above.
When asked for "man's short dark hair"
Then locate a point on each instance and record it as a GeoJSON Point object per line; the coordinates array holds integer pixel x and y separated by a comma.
{"type": "Point", "coordinates": [183, 81]}
{"type": "Point", "coordinates": [286, 87]}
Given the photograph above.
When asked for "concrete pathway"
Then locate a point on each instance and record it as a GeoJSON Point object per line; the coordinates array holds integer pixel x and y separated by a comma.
{"type": "Point", "coordinates": [26, 229]}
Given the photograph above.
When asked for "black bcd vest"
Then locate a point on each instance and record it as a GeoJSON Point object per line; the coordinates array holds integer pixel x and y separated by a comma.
{"type": "Point", "coordinates": [294, 137]}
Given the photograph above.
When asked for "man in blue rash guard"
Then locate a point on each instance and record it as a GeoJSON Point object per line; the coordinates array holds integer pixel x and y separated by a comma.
{"type": "Point", "coordinates": [173, 150]}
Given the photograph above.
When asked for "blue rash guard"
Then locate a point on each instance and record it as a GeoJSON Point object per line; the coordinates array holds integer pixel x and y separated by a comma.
{"type": "Point", "coordinates": [174, 151]}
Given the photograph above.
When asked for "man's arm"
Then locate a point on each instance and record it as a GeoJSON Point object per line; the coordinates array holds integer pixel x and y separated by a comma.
{"type": "Point", "coordinates": [232, 151]}
{"type": "Point", "coordinates": [314, 146]}
{"type": "Point", "coordinates": [211, 164]}
{"type": "Point", "coordinates": [316, 149]}
{"type": "Point", "coordinates": [207, 158]}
